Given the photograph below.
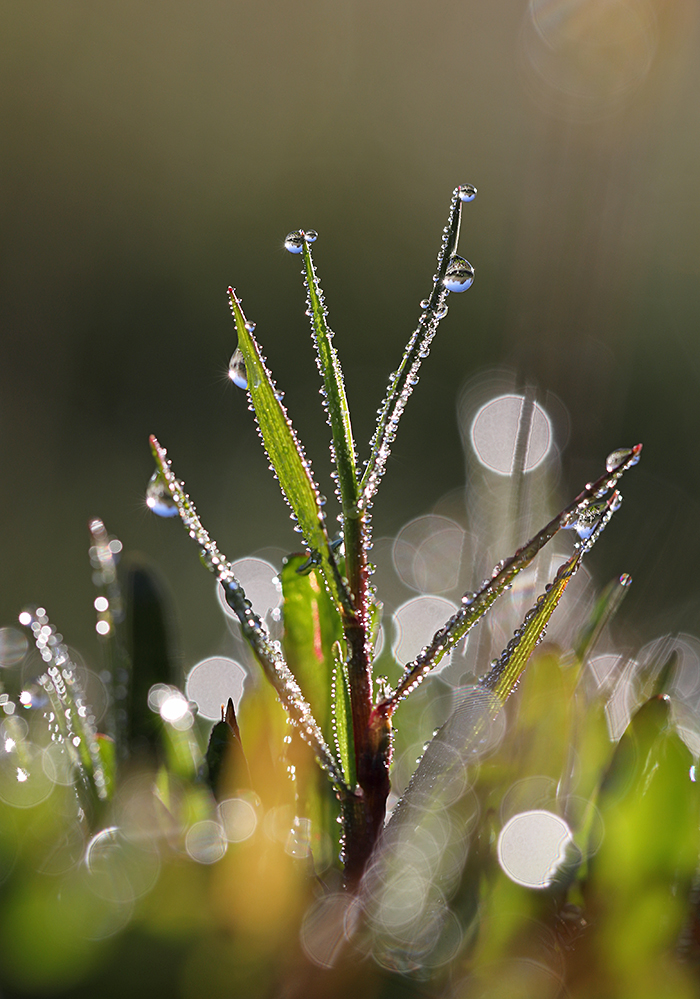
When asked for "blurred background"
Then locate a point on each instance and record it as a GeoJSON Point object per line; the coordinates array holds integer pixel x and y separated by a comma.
{"type": "Point", "coordinates": [154, 153]}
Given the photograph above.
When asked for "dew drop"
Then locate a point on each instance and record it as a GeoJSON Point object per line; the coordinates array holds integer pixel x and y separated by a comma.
{"type": "Point", "coordinates": [158, 498]}
{"type": "Point", "coordinates": [294, 241]}
{"type": "Point", "coordinates": [310, 235]}
{"type": "Point", "coordinates": [250, 326]}
{"type": "Point", "coordinates": [466, 192]}
{"type": "Point", "coordinates": [236, 369]}
{"type": "Point", "coordinates": [459, 274]}
{"type": "Point", "coordinates": [619, 456]}
{"type": "Point", "coordinates": [425, 303]}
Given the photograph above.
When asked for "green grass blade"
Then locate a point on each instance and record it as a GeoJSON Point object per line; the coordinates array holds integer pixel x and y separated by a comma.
{"type": "Point", "coordinates": [606, 606]}
{"type": "Point", "coordinates": [342, 717]}
{"type": "Point", "coordinates": [253, 627]}
{"type": "Point", "coordinates": [404, 379]}
{"type": "Point", "coordinates": [283, 447]}
{"type": "Point", "coordinates": [334, 398]}
{"type": "Point", "coordinates": [475, 605]}
{"type": "Point", "coordinates": [505, 672]}
{"type": "Point", "coordinates": [311, 626]}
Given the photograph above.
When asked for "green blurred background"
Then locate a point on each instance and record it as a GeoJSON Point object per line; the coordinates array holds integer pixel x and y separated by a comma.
{"type": "Point", "coordinates": [153, 153]}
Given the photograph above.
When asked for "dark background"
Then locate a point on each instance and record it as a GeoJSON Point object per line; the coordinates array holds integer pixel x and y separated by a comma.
{"type": "Point", "coordinates": [153, 153]}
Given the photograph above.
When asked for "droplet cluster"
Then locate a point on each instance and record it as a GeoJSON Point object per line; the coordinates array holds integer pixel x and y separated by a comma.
{"type": "Point", "coordinates": [70, 721]}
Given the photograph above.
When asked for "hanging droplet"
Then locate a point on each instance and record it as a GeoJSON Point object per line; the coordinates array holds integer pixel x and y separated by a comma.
{"type": "Point", "coordinates": [617, 457]}
{"type": "Point", "coordinates": [425, 303]}
{"type": "Point", "coordinates": [310, 235]}
{"type": "Point", "coordinates": [586, 521]}
{"type": "Point", "coordinates": [158, 498]}
{"type": "Point", "coordinates": [459, 274]}
{"type": "Point", "coordinates": [294, 241]}
{"type": "Point", "coordinates": [237, 370]}
{"type": "Point", "coordinates": [466, 192]}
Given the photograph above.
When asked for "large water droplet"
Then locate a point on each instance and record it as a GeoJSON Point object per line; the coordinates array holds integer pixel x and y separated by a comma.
{"type": "Point", "coordinates": [158, 498]}
{"type": "Point", "coordinates": [311, 235]}
{"type": "Point", "coordinates": [466, 192]}
{"type": "Point", "coordinates": [617, 457]}
{"type": "Point", "coordinates": [294, 241]}
{"type": "Point", "coordinates": [459, 274]}
{"type": "Point", "coordinates": [586, 522]}
{"type": "Point", "coordinates": [237, 370]}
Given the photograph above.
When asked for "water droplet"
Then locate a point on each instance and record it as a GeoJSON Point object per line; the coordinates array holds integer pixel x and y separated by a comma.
{"type": "Point", "coordinates": [310, 235]}
{"type": "Point", "coordinates": [236, 369]}
{"type": "Point", "coordinates": [466, 192]}
{"type": "Point", "coordinates": [586, 522]}
{"type": "Point", "coordinates": [158, 498]}
{"type": "Point", "coordinates": [294, 241]}
{"type": "Point", "coordinates": [425, 303]}
{"type": "Point", "coordinates": [619, 456]}
{"type": "Point", "coordinates": [459, 274]}
{"type": "Point", "coordinates": [615, 502]}
{"type": "Point", "coordinates": [625, 579]}
{"type": "Point", "coordinates": [250, 326]}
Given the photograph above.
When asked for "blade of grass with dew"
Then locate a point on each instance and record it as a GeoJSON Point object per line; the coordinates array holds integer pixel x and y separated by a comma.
{"type": "Point", "coordinates": [284, 450]}
{"type": "Point", "coordinates": [475, 605]}
{"type": "Point", "coordinates": [404, 379]}
{"type": "Point", "coordinates": [72, 723]}
{"type": "Point", "coordinates": [466, 730]}
{"type": "Point", "coordinates": [334, 398]}
{"type": "Point", "coordinates": [104, 555]}
{"type": "Point", "coordinates": [253, 627]}
{"type": "Point", "coordinates": [342, 717]}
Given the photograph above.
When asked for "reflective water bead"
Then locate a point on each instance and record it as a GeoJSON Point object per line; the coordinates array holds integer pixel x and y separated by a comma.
{"type": "Point", "coordinates": [158, 498]}
{"type": "Point", "coordinates": [466, 192]}
{"type": "Point", "coordinates": [294, 241]}
{"type": "Point", "coordinates": [619, 456]}
{"type": "Point", "coordinates": [310, 235]}
{"type": "Point", "coordinates": [250, 326]}
{"type": "Point", "coordinates": [459, 274]}
{"type": "Point", "coordinates": [237, 370]}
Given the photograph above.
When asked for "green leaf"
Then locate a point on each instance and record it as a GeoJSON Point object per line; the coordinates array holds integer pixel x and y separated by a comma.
{"type": "Point", "coordinates": [342, 712]}
{"type": "Point", "coordinates": [225, 759]}
{"type": "Point", "coordinates": [404, 379]}
{"type": "Point", "coordinates": [640, 878]}
{"type": "Point", "coordinates": [606, 606]}
{"type": "Point", "coordinates": [283, 448]}
{"type": "Point", "coordinates": [335, 400]}
{"type": "Point", "coordinates": [475, 605]}
{"type": "Point", "coordinates": [311, 626]}
{"type": "Point", "coordinates": [253, 627]}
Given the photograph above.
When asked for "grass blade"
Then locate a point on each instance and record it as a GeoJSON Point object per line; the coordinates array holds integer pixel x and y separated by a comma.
{"type": "Point", "coordinates": [253, 627]}
{"type": "Point", "coordinates": [342, 717]}
{"type": "Point", "coordinates": [284, 449]}
{"type": "Point", "coordinates": [334, 398]}
{"type": "Point", "coordinates": [475, 605]}
{"type": "Point", "coordinates": [405, 378]}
